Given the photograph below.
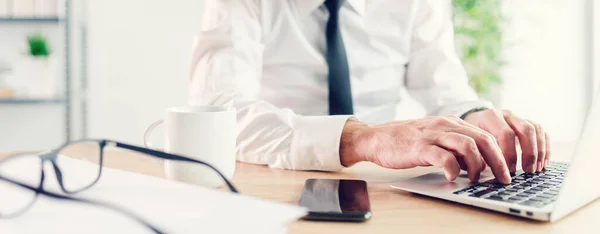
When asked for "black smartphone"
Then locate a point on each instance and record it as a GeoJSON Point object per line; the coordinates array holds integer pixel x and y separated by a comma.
{"type": "Point", "coordinates": [336, 200]}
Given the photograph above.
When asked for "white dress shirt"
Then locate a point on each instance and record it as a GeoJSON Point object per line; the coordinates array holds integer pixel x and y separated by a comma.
{"type": "Point", "coordinates": [266, 59]}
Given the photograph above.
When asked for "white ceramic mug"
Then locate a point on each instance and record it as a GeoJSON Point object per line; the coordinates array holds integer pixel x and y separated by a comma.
{"type": "Point", "coordinates": [204, 133]}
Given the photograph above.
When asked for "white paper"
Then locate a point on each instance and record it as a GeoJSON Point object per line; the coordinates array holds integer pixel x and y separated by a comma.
{"type": "Point", "coordinates": [173, 207]}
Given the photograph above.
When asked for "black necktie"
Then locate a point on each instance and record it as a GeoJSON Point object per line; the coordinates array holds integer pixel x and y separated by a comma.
{"type": "Point", "coordinates": [340, 94]}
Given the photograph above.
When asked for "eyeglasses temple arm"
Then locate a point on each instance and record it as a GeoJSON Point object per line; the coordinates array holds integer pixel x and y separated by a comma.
{"type": "Point", "coordinates": [168, 156]}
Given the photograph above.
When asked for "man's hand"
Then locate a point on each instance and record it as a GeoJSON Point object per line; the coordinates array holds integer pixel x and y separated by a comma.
{"type": "Point", "coordinates": [484, 137]}
{"type": "Point", "coordinates": [446, 142]}
{"type": "Point", "coordinates": [507, 127]}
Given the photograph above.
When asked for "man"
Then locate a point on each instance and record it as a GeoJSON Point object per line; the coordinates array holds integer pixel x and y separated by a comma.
{"type": "Point", "coordinates": [303, 74]}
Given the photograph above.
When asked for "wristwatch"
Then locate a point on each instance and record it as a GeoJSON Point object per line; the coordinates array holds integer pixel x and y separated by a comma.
{"type": "Point", "coordinates": [472, 111]}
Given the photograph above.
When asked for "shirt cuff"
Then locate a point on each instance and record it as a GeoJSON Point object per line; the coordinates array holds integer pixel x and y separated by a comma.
{"type": "Point", "coordinates": [316, 142]}
{"type": "Point", "coordinates": [463, 107]}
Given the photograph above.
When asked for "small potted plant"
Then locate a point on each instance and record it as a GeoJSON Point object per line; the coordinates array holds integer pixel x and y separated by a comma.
{"type": "Point", "coordinates": [38, 69]}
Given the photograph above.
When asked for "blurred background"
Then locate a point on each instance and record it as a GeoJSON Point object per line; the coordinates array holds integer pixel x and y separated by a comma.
{"type": "Point", "coordinates": [107, 69]}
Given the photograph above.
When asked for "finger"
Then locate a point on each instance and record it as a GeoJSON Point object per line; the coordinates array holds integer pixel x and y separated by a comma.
{"type": "Point", "coordinates": [465, 148]}
{"type": "Point", "coordinates": [540, 136]}
{"type": "Point", "coordinates": [490, 151]}
{"type": "Point", "coordinates": [456, 120]}
{"type": "Point", "coordinates": [506, 139]}
{"type": "Point", "coordinates": [548, 149]}
{"type": "Point", "coordinates": [442, 158]}
{"type": "Point", "coordinates": [507, 142]}
{"type": "Point", "coordinates": [505, 136]}
{"type": "Point", "coordinates": [463, 165]}
{"type": "Point", "coordinates": [525, 131]}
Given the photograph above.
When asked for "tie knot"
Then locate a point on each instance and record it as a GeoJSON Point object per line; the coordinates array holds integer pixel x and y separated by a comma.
{"type": "Point", "coordinates": [333, 5]}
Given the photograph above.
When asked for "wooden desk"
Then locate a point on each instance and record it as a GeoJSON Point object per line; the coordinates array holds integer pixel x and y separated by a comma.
{"type": "Point", "coordinates": [393, 211]}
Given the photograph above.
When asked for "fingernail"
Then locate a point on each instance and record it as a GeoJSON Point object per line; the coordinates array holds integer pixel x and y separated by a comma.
{"type": "Point", "coordinates": [476, 177]}
{"type": "Point", "coordinates": [472, 179]}
{"type": "Point", "coordinates": [540, 166]}
{"type": "Point", "coordinates": [531, 168]}
{"type": "Point", "coordinates": [507, 176]}
{"type": "Point", "coordinates": [513, 168]}
{"type": "Point", "coordinates": [450, 177]}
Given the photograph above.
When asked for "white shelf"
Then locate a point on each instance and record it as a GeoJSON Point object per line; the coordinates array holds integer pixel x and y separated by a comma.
{"type": "Point", "coordinates": [18, 101]}
{"type": "Point", "coordinates": [52, 20]}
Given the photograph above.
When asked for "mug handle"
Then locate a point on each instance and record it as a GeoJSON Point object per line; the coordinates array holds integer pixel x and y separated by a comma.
{"type": "Point", "coordinates": [149, 130]}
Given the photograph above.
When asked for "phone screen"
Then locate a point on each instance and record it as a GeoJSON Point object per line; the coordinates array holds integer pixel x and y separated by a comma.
{"type": "Point", "coordinates": [330, 199]}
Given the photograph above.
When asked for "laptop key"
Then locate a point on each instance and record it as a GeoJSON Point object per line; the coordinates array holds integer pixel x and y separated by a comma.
{"type": "Point", "coordinates": [521, 195]}
{"type": "Point", "coordinates": [530, 192]}
{"type": "Point", "coordinates": [515, 182]}
{"type": "Point", "coordinates": [483, 192]}
{"type": "Point", "coordinates": [536, 189]}
{"type": "Point", "coordinates": [542, 196]}
{"type": "Point", "coordinates": [538, 180]}
{"type": "Point", "coordinates": [505, 194]}
{"type": "Point", "coordinates": [461, 191]}
{"type": "Point", "coordinates": [514, 199]}
{"type": "Point", "coordinates": [494, 188]}
{"type": "Point", "coordinates": [496, 198]}
{"type": "Point", "coordinates": [499, 185]}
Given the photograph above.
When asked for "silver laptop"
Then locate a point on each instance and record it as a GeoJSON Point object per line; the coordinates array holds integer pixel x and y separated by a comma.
{"type": "Point", "coordinates": [546, 196]}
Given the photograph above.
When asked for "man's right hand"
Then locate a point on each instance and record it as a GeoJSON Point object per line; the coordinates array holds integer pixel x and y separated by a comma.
{"type": "Point", "coordinates": [445, 142]}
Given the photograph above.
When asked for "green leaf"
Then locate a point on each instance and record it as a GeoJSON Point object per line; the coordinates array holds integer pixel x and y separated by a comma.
{"type": "Point", "coordinates": [38, 45]}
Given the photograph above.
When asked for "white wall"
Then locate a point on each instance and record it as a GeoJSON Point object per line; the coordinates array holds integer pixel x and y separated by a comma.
{"type": "Point", "coordinates": [596, 37]}
{"type": "Point", "coordinates": [139, 56]}
{"type": "Point", "coordinates": [547, 74]}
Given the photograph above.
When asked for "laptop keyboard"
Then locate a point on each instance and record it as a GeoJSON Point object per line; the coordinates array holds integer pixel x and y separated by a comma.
{"type": "Point", "coordinates": [536, 190]}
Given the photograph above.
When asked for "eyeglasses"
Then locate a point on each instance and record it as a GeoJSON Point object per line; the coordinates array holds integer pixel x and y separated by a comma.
{"type": "Point", "coordinates": [19, 194]}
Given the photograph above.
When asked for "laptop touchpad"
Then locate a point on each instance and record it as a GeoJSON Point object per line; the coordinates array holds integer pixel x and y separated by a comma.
{"type": "Point", "coordinates": [437, 182]}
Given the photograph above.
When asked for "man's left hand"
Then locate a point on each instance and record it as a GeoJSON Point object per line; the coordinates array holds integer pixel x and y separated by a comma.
{"type": "Point", "coordinates": [508, 128]}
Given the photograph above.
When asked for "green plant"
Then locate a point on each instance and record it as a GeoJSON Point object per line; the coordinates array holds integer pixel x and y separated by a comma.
{"type": "Point", "coordinates": [478, 30]}
{"type": "Point", "coordinates": [38, 45]}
